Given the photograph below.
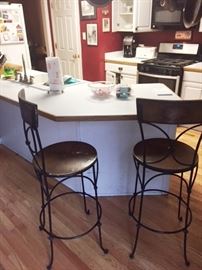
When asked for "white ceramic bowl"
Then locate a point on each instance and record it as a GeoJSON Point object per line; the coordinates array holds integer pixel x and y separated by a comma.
{"type": "Point", "coordinates": [101, 88]}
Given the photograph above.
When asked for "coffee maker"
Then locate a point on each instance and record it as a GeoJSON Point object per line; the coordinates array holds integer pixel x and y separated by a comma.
{"type": "Point", "coordinates": [129, 46]}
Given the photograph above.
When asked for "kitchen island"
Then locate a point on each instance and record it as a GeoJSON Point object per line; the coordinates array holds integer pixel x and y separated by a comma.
{"type": "Point", "coordinates": [107, 123]}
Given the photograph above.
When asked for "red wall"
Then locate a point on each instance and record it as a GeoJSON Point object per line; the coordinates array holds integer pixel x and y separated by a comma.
{"type": "Point", "coordinates": [154, 38]}
{"type": "Point", "coordinates": [93, 56]}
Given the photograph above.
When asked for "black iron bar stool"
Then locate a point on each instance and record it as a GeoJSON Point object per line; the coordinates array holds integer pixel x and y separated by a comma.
{"type": "Point", "coordinates": [165, 155]}
{"type": "Point", "coordinates": [62, 161]}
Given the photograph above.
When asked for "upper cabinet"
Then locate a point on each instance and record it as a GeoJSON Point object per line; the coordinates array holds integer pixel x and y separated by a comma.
{"type": "Point", "coordinates": [131, 15]}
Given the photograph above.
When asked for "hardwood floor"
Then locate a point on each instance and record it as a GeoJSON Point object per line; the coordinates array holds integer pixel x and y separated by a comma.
{"type": "Point", "coordinates": [24, 247]}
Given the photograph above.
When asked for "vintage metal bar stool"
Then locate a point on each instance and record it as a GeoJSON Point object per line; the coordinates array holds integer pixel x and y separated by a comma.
{"type": "Point", "coordinates": [61, 161]}
{"type": "Point", "coordinates": [165, 155]}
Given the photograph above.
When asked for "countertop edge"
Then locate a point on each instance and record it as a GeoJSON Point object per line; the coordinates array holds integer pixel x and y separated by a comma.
{"type": "Point", "coordinates": [77, 118]}
{"type": "Point", "coordinates": [193, 69]}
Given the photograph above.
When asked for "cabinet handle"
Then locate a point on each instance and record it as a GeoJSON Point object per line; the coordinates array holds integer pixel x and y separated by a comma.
{"type": "Point", "coordinates": [120, 68]}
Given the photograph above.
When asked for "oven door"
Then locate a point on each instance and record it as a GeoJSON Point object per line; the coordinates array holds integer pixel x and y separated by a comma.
{"type": "Point", "coordinates": [172, 82]}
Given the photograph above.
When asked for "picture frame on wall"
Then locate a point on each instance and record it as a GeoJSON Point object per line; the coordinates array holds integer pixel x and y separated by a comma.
{"type": "Point", "coordinates": [92, 34]}
{"type": "Point", "coordinates": [87, 11]}
{"type": "Point", "coordinates": [105, 25]}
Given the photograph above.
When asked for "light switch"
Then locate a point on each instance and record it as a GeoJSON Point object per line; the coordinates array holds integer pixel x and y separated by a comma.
{"type": "Point", "coordinates": [84, 35]}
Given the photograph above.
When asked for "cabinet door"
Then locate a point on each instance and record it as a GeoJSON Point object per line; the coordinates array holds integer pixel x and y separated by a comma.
{"type": "Point", "coordinates": [128, 80]}
{"type": "Point", "coordinates": [110, 76]}
{"type": "Point", "coordinates": [122, 15]}
{"type": "Point", "coordinates": [191, 90]}
{"type": "Point", "coordinates": [142, 15]}
{"type": "Point", "coordinates": [131, 15]}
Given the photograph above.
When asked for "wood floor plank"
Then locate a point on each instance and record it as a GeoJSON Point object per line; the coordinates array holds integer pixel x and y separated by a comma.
{"type": "Point", "coordinates": [24, 247]}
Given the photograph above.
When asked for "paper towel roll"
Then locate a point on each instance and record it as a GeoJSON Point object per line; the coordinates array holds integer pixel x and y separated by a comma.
{"type": "Point", "coordinates": [55, 76]}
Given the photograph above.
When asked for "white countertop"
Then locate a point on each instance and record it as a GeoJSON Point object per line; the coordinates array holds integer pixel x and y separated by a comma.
{"type": "Point", "coordinates": [196, 67]}
{"type": "Point", "coordinates": [118, 57]}
{"type": "Point", "coordinates": [79, 103]}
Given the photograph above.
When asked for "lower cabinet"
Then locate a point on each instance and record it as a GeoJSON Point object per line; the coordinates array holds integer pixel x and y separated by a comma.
{"type": "Point", "coordinates": [121, 73]}
{"type": "Point", "coordinates": [192, 85]}
{"type": "Point", "coordinates": [111, 77]}
{"type": "Point", "coordinates": [191, 90]}
{"type": "Point", "coordinates": [128, 79]}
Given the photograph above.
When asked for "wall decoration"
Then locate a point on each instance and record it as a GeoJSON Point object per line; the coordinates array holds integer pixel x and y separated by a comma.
{"type": "Point", "coordinates": [183, 35]}
{"type": "Point", "coordinates": [87, 11]}
{"type": "Point", "coordinates": [92, 34]}
{"type": "Point", "coordinates": [105, 25]}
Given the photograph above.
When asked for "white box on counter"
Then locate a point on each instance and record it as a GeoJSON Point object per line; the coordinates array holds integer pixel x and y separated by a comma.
{"type": "Point", "coordinates": [146, 52]}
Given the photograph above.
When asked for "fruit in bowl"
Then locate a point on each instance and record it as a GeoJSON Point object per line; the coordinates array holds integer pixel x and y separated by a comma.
{"type": "Point", "coordinates": [101, 88]}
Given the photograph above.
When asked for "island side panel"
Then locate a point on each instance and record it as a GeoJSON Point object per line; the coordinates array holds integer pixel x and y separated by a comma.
{"type": "Point", "coordinates": [114, 141]}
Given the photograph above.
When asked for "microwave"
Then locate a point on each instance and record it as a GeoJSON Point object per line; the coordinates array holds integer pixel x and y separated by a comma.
{"type": "Point", "coordinates": [167, 14]}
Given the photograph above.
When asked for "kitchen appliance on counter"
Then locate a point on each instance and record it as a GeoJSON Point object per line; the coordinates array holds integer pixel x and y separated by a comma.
{"type": "Point", "coordinates": [129, 46]}
{"type": "Point", "coordinates": [167, 68]}
{"type": "Point", "coordinates": [146, 52]}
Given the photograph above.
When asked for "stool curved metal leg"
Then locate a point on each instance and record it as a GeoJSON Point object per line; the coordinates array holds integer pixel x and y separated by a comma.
{"type": "Point", "coordinates": [87, 211]}
{"type": "Point", "coordinates": [50, 231]}
{"type": "Point", "coordinates": [140, 212]}
{"type": "Point", "coordinates": [42, 217]}
{"type": "Point", "coordinates": [135, 190]}
{"type": "Point", "coordinates": [98, 212]}
{"type": "Point", "coordinates": [180, 199]}
{"type": "Point", "coordinates": [189, 188]}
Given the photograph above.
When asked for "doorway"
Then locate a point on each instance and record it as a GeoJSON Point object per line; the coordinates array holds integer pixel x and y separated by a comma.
{"type": "Point", "coordinates": [64, 24]}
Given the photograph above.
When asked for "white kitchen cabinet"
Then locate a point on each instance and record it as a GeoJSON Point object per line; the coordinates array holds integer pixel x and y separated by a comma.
{"type": "Point", "coordinates": [128, 79]}
{"type": "Point", "coordinates": [192, 85]}
{"type": "Point", "coordinates": [131, 15]}
{"type": "Point", "coordinates": [121, 73]}
{"type": "Point", "coordinates": [111, 77]}
{"type": "Point", "coordinates": [191, 90]}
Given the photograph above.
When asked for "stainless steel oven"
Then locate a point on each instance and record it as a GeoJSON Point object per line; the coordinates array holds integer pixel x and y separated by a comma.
{"type": "Point", "coordinates": [167, 68]}
{"type": "Point", "coordinates": [173, 82]}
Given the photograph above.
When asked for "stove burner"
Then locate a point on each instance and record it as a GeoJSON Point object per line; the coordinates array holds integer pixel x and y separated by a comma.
{"type": "Point", "coordinates": [166, 66]}
{"type": "Point", "coordinates": [169, 62]}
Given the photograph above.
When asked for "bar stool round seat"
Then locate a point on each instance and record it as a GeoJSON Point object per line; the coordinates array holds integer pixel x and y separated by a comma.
{"type": "Point", "coordinates": [67, 158]}
{"type": "Point", "coordinates": [162, 156]}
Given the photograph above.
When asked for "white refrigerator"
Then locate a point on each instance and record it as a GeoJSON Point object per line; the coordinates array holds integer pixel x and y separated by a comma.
{"type": "Point", "coordinates": [13, 38]}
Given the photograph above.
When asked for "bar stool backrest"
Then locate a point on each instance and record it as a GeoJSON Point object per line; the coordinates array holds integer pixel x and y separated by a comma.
{"type": "Point", "coordinates": [169, 111]}
{"type": "Point", "coordinates": [29, 113]}
{"type": "Point", "coordinates": [156, 113]}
